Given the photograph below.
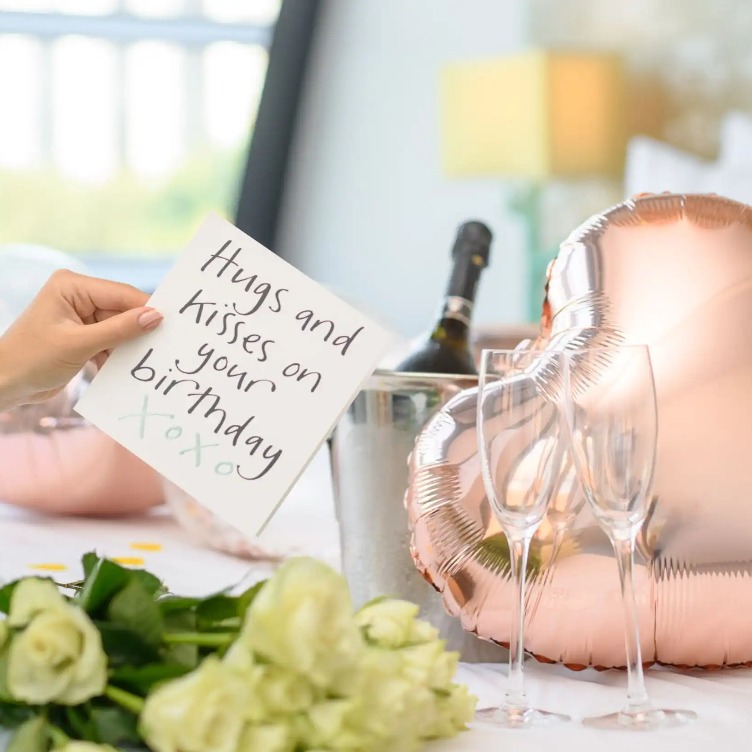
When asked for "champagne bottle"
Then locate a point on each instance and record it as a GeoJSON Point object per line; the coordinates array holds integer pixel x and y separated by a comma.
{"type": "Point", "coordinates": [447, 349]}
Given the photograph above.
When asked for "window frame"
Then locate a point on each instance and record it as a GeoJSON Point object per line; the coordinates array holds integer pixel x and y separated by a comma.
{"type": "Point", "coordinates": [262, 185]}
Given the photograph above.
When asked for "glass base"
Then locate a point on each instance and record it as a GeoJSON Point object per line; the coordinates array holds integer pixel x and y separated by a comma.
{"type": "Point", "coordinates": [641, 720]}
{"type": "Point", "coordinates": [517, 717]}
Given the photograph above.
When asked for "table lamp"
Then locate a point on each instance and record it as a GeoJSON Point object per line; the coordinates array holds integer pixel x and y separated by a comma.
{"type": "Point", "coordinates": [532, 118]}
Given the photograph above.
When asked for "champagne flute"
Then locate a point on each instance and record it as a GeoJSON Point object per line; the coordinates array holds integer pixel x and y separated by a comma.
{"type": "Point", "coordinates": [612, 421]}
{"type": "Point", "coordinates": [518, 425]}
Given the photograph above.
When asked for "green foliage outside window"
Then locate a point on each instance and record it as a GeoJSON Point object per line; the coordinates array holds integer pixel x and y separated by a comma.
{"type": "Point", "coordinates": [124, 216]}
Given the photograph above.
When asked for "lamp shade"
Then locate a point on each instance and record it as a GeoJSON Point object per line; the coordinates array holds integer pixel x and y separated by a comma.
{"type": "Point", "coordinates": [534, 115]}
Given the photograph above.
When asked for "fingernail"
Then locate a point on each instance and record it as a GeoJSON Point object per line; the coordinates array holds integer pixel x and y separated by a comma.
{"type": "Point", "coordinates": [150, 319]}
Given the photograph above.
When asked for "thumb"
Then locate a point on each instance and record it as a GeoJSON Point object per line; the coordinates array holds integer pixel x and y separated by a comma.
{"type": "Point", "coordinates": [122, 327]}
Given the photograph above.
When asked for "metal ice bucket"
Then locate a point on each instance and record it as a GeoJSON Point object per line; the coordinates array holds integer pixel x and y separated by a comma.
{"type": "Point", "coordinates": [369, 450]}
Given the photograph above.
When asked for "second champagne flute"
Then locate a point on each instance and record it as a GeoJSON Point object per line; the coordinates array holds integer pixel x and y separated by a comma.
{"type": "Point", "coordinates": [612, 420]}
{"type": "Point", "coordinates": [518, 425]}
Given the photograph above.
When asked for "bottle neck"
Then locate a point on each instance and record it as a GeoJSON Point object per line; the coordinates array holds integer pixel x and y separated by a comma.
{"type": "Point", "coordinates": [453, 325]}
{"type": "Point", "coordinates": [457, 309]}
{"type": "Point", "coordinates": [462, 288]}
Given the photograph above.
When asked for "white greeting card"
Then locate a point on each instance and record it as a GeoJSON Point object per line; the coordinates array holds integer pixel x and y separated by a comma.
{"type": "Point", "coordinates": [247, 375]}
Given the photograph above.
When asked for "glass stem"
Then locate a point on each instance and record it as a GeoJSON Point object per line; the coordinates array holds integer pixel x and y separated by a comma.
{"type": "Point", "coordinates": [547, 577]}
{"type": "Point", "coordinates": [637, 696]}
{"type": "Point", "coordinates": [519, 546]}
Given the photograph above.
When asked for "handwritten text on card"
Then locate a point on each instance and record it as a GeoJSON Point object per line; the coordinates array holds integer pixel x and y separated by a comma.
{"type": "Point", "coordinates": [245, 378]}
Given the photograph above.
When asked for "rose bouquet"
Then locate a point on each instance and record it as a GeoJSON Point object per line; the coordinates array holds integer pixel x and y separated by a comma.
{"type": "Point", "coordinates": [285, 666]}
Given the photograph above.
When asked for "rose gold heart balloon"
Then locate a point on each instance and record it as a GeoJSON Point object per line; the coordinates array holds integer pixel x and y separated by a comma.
{"type": "Point", "coordinates": [51, 460]}
{"type": "Point", "coordinates": [674, 272]}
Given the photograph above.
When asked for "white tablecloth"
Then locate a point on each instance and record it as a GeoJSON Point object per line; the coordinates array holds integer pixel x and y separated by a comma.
{"type": "Point", "coordinates": [723, 699]}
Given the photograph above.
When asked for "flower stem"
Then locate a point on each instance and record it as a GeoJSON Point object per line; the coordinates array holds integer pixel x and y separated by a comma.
{"type": "Point", "coordinates": [205, 639]}
{"type": "Point", "coordinates": [125, 699]}
{"type": "Point", "coordinates": [58, 737]}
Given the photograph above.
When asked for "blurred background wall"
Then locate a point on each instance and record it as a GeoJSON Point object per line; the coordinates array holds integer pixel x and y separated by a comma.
{"type": "Point", "coordinates": [368, 208]}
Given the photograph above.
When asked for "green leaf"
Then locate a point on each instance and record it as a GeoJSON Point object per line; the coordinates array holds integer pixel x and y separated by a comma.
{"type": "Point", "coordinates": [150, 582]}
{"type": "Point", "coordinates": [124, 646]}
{"type": "Point", "coordinates": [88, 562]}
{"type": "Point", "coordinates": [135, 608]}
{"type": "Point", "coordinates": [249, 596]}
{"type": "Point", "coordinates": [13, 715]}
{"type": "Point", "coordinates": [115, 726]}
{"type": "Point", "coordinates": [104, 580]}
{"type": "Point", "coordinates": [172, 603]}
{"type": "Point", "coordinates": [142, 678]}
{"type": "Point", "coordinates": [31, 736]}
{"type": "Point", "coordinates": [5, 595]}
{"type": "Point", "coordinates": [78, 721]}
{"type": "Point", "coordinates": [217, 609]}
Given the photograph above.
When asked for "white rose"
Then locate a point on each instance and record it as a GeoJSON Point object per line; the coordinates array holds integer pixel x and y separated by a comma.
{"type": "Point", "coordinates": [387, 705]}
{"type": "Point", "coordinates": [242, 659]}
{"type": "Point", "coordinates": [302, 620]}
{"type": "Point", "coordinates": [392, 623]}
{"type": "Point", "coordinates": [267, 738]}
{"type": "Point", "coordinates": [452, 711]}
{"type": "Point", "coordinates": [272, 690]}
{"type": "Point", "coordinates": [387, 622]}
{"type": "Point", "coordinates": [328, 724]}
{"type": "Point", "coordinates": [406, 695]}
{"type": "Point", "coordinates": [58, 655]}
{"type": "Point", "coordinates": [283, 692]}
{"type": "Point", "coordinates": [242, 662]}
{"type": "Point", "coordinates": [198, 712]}
{"type": "Point", "coordinates": [76, 746]}
{"type": "Point", "coordinates": [30, 597]}
{"type": "Point", "coordinates": [429, 665]}
{"type": "Point", "coordinates": [422, 631]}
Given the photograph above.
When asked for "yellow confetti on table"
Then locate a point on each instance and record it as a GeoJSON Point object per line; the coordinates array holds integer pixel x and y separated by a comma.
{"type": "Point", "coordinates": [146, 546]}
{"type": "Point", "coordinates": [129, 561]}
{"type": "Point", "coordinates": [49, 567]}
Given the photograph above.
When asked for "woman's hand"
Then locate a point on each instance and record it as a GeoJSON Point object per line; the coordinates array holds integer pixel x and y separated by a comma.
{"type": "Point", "coordinates": [72, 320]}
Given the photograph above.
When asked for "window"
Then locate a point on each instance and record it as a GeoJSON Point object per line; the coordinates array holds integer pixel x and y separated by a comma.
{"type": "Point", "coordinates": [123, 122]}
